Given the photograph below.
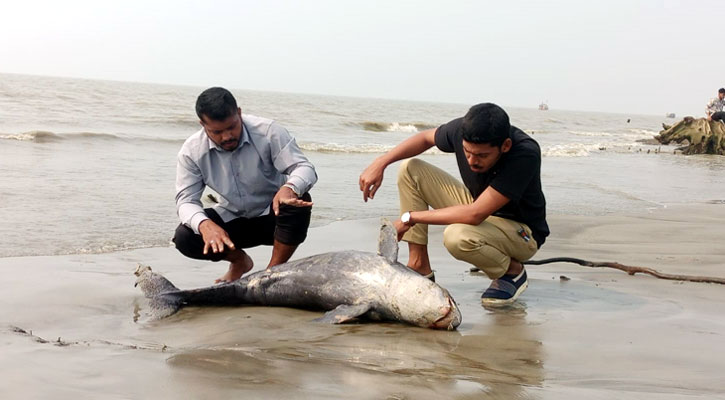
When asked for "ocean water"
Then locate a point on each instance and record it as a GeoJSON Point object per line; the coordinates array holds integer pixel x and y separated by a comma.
{"type": "Point", "coordinates": [88, 166]}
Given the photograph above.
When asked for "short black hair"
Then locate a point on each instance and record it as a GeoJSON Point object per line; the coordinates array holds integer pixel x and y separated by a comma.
{"type": "Point", "coordinates": [486, 123]}
{"type": "Point", "coordinates": [721, 90]}
{"type": "Point", "coordinates": [216, 103]}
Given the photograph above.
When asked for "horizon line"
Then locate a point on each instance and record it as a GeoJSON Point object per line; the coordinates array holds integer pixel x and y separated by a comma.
{"type": "Point", "coordinates": [316, 94]}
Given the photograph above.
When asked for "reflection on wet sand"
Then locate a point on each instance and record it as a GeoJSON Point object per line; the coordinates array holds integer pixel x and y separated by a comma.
{"type": "Point", "coordinates": [367, 360]}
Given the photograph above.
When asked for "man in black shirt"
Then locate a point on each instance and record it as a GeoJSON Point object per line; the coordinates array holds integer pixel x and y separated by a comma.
{"type": "Point", "coordinates": [496, 218]}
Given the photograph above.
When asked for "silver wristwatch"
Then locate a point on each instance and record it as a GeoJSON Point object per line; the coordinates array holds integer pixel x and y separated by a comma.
{"type": "Point", "coordinates": [405, 218]}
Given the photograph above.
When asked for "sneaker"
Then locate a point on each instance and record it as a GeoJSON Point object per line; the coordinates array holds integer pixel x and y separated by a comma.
{"type": "Point", "coordinates": [505, 290]}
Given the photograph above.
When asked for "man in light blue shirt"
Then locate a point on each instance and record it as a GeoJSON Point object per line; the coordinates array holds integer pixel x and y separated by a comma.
{"type": "Point", "coordinates": [261, 176]}
{"type": "Point", "coordinates": [715, 109]}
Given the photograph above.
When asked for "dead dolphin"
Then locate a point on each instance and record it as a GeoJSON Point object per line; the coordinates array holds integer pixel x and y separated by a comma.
{"type": "Point", "coordinates": [347, 284]}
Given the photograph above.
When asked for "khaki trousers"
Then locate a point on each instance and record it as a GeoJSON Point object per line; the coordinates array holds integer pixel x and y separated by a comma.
{"type": "Point", "coordinates": [490, 246]}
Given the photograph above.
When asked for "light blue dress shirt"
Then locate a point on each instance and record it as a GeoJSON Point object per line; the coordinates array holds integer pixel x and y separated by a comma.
{"type": "Point", "coordinates": [246, 178]}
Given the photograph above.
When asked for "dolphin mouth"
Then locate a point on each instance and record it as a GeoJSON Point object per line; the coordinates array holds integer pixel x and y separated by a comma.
{"type": "Point", "coordinates": [451, 319]}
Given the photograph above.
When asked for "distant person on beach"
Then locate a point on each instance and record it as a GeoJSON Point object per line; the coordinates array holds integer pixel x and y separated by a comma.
{"type": "Point", "coordinates": [496, 218]}
{"type": "Point", "coordinates": [261, 176]}
{"type": "Point", "coordinates": [715, 109]}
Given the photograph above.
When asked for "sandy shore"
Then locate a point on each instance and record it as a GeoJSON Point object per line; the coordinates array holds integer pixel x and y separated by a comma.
{"type": "Point", "coordinates": [600, 335]}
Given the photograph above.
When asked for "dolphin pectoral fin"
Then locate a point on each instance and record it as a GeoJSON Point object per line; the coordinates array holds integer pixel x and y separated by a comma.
{"type": "Point", "coordinates": [344, 313]}
{"type": "Point", "coordinates": [388, 241]}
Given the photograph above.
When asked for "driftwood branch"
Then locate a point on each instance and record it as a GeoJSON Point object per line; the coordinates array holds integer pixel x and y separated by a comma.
{"type": "Point", "coordinates": [700, 135]}
{"type": "Point", "coordinates": [629, 269]}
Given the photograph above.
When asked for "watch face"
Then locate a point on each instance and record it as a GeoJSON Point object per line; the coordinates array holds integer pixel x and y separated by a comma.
{"type": "Point", "coordinates": [405, 218]}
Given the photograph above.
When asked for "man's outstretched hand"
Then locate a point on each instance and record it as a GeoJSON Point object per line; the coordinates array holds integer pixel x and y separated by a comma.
{"type": "Point", "coordinates": [401, 228]}
{"type": "Point", "coordinates": [287, 196]}
{"type": "Point", "coordinates": [215, 238]}
{"type": "Point", "coordinates": [370, 180]}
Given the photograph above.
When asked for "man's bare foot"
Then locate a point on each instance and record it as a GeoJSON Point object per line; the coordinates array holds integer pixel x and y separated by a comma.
{"type": "Point", "coordinates": [240, 266]}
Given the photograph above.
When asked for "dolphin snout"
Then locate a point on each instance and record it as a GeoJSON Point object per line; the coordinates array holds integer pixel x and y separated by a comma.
{"type": "Point", "coordinates": [451, 317]}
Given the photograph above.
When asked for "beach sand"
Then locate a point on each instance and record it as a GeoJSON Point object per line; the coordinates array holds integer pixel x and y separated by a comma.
{"type": "Point", "coordinates": [600, 335]}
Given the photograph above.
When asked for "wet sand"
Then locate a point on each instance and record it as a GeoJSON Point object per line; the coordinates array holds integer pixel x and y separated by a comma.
{"type": "Point", "coordinates": [600, 335]}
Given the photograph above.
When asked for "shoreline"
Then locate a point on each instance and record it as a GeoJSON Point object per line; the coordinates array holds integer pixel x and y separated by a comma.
{"type": "Point", "coordinates": [322, 222]}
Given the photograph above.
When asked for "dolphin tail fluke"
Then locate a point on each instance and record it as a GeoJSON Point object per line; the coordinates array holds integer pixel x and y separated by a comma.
{"type": "Point", "coordinates": [388, 241]}
{"type": "Point", "coordinates": [165, 299]}
{"type": "Point", "coordinates": [344, 313]}
{"type": "Point", "coordinates": [165, 304]}
{"type": "Point", "coordinates": [151, 283]}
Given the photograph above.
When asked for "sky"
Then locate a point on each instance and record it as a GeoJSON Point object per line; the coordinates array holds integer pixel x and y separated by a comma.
{"type": "Point", "coordinates": [639, 57]}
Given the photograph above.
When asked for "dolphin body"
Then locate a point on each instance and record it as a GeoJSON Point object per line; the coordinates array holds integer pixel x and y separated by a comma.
{"type": "Point", "coordinates": [347, 284]}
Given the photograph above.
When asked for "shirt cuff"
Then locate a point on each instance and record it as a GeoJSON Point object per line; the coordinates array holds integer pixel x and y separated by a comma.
{"type": "Point", "coordinates": [298, 185]}
{"type": "Point", "coordinates": [197, 219]}
{"type": "Point", "coordinates": [294, 188]}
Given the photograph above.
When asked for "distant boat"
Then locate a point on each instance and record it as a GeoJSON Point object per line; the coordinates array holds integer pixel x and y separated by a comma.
{"type": "Point", "coordinates": [543, 106]}
{"type": "Point", "coordinates": [670, 115]}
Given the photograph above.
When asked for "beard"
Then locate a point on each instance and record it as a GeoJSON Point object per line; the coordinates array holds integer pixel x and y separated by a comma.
{"type": "Point", "coordinates": [230, 144]}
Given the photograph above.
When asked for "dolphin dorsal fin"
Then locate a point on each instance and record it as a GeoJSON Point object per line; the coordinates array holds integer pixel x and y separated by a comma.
{"type": "Point", "coordinates": [388, 241]}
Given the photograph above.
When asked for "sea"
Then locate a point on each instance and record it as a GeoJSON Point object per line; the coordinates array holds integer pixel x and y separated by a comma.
{"type": "Point", "coordinates": [88, 166]}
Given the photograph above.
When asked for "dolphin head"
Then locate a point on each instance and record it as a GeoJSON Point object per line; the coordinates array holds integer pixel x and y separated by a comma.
{"type": "Point", "coordinates": [422, 302]}
{"type": "Point", "coordinates": [452, 318]}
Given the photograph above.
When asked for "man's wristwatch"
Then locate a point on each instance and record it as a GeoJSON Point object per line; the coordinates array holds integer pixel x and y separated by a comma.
{"type": "Point", "coordinates": [405, 218]}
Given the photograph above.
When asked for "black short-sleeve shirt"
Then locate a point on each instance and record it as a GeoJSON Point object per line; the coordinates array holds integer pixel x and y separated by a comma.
{"type": "Point", "coordinates": [517, 175]}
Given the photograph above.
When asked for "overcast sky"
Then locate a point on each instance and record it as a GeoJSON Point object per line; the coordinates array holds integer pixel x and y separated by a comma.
{"type": "Point", "coordinates": [632, 56]}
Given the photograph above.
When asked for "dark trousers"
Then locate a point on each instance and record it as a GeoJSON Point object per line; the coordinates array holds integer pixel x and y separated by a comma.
{"type": "Point", "coordinates": [289, 227]}
{"type": "Point", "coordinates": [718, 116]}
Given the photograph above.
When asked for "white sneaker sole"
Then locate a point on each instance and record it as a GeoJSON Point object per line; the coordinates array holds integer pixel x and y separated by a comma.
{"type": "Point", "coordinates": [505, 302]}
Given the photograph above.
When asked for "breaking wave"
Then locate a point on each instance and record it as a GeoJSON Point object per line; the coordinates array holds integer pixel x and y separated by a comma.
{"type": "Point", "coordinates": [406, 127]}
{"type": "Point", "coordinates": [590, 134]}
{"type": "Point", "coordinates": [50, 137]}
{"type": "Point", "coordinates": [586, 149]}
{"type": "Point", "coordinates": [353, 148]}
{"type": "Point", "coordinates": [644, 132]}
{"type": "Point", "coordinates": [630, 133]}
{"type": "Point", "coordinates": [572, 150]}
{"type": "Point", "coordinates": [32, 136]}
{"type": "Point", "coordinates": [345, 148]}
{"type": "Point", "coordinates": [107, 247]}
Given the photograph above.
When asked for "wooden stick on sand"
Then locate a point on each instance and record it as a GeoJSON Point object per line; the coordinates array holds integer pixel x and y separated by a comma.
{"type": "Point", "coordinates": [626, 268]}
